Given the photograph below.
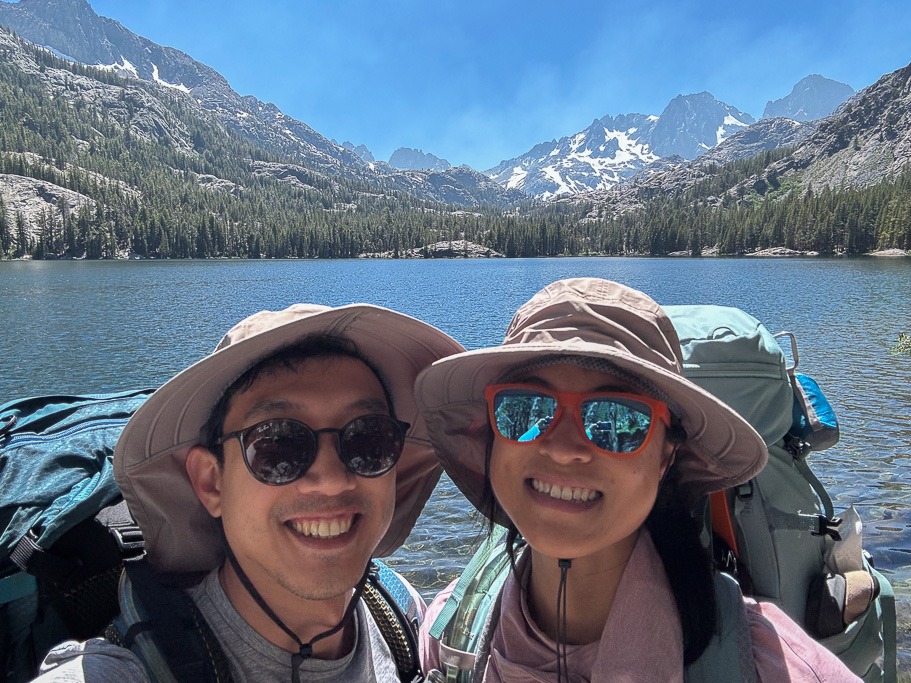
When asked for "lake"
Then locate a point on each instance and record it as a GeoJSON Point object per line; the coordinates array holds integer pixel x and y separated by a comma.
{"type": "Point", "coordinates": [88, 327]}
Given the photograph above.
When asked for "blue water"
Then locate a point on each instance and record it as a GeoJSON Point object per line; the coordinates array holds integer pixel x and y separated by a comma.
{"type": "Point", "coordinates": [105, 326]}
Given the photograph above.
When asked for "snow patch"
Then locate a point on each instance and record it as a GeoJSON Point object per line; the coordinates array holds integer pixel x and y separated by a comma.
{"type": "Point", "coordinates": [562, 188]}
{"type": "Point", "coordinates": [732, 121]}
{"type": "Point", "coordinates": [517, 179]}
{"type": "Point", "coordinates": [161, 81]}
{"type": "Point", "coordinates": [719, 134]}
{"type": "Point", "coordinates": [123, 67]}
{"type": "Point", "coordinates": [59, 54]}
{"type": "Point", "coordinates": [652, 118]}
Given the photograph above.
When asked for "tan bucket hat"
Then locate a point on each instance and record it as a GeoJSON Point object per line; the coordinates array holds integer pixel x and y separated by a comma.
{"type": "Point", "coordinates": [149, 457]}
{"type": "Point", "coordinates": [595, 318]}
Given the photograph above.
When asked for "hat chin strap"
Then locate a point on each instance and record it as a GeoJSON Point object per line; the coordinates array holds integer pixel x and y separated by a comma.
{"type": "Point", "coordinates": [305, 650]}
{"type": "Point", "coordinates": [562, 666]}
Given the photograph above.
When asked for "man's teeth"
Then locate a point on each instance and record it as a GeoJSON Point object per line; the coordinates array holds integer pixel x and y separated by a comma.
{"type": "Point", "coordinates": [322, 528]}
{"type": "Point", "coordinates": [565, 492]}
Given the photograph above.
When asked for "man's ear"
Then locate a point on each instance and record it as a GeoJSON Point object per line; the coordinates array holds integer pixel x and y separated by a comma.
{"type": "Point", "coordinates": [205, 475]}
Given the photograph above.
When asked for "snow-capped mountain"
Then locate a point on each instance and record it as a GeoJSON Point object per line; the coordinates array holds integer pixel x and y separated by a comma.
{"type": "Point", "coordinates": [600, 156]}
{"type": "Point", "coordinates": [614, 148]}
{"type": "Point", "coordinates": [406, 158]}
{"type": "Point", "coordinates": [814, 97]}
{"type": "Point", "coordinates": [691, 124]}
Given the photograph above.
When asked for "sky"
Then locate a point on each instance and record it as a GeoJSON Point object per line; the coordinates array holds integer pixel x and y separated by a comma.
{"type": "Point", "coordinates": [480, 81]}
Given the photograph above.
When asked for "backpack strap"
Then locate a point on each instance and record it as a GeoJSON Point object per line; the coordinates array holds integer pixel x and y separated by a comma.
{"type": "Point", "coordinates": [162, 626]}
{"type": "Point", "coordinates": [465, 624]}
{"type": "Point", "coordinates": [729, 655]}
{"type": "Point", "coordinates": [887, 604]}
{"type": "Point", "coordinates": [397, 616]}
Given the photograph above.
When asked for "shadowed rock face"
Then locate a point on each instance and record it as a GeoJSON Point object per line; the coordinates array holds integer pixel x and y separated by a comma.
{"type": "Point", "coordinates": [415, 159]}
{"type": "Point", "coordinates": [814, 97]}
{"type": "Point", "coordinates": [73, 30]}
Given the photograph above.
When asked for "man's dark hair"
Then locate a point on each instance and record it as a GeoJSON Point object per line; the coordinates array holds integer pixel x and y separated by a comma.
{"type": "Point", "coordinates": [288, 358]}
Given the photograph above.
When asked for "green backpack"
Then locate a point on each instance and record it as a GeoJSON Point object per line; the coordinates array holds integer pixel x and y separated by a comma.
{"type": "Point", "coordinates": [777, 532]}
{"type": "Point", "coordinates": [779, 529]}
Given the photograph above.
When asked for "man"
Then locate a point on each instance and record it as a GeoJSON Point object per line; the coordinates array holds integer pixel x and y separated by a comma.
{"type": "Point", "coordinates": [275, 469]}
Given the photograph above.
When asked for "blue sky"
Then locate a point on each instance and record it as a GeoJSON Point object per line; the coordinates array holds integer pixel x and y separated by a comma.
{"type": "Point", "coordinates": [476, 82]}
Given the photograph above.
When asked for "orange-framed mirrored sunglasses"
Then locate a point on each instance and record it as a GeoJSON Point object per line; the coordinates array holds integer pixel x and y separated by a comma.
{"type": "Point", "coordinates": [618, 424]}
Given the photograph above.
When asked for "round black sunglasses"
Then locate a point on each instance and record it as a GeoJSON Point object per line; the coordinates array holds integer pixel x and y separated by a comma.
{"type": "Point", "coordinates": [280, 451]}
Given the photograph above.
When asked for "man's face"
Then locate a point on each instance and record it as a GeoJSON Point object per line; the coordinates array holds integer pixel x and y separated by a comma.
{"type": "Point", "coordinates": [313, 537]}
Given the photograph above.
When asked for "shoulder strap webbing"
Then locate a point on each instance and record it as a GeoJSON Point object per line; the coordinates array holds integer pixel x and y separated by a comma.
{"type": "Point", "coordinates": [391, 618]}
{"type": "Point", "coordinates": [479, 560]}
{"type": "Point", "coordinates": [484, 640]}
{"type": "Point", "coordinates": [729, 655]}
{"type": "Point", "coordinates": [163, 627]}
{"type": "Point", "coordinates": [887, 604]}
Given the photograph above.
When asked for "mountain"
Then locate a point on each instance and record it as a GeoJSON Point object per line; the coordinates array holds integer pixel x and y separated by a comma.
{"type": "Point", "coordinates": [75, 32]}
{"type": "Point", "coordinates": [406, 158]}
{"type": "Point", "coordinates": [865, 142]}
{"type": "Point", "coordinates": [612, 149]}
{"type": "Point", "coordinates": [96, 165]}
{"type": "Point", "coordinates": [360, 150]}
{"type": "Point", "coordinates": [691, 124]}
{"type": "Point", "coordinates": [814, 97]}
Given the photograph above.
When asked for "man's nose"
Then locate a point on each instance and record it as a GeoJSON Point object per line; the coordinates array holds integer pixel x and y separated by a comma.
{"type": "Point", "coordinates": [328, 474]}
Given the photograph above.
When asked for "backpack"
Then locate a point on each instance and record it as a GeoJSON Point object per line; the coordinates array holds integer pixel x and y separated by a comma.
{"type": "Point", "coordinates": [162, 626]}
{"type": "Point", "coordinates": [64, 529]}
{"type": "Point", "coordinates": [778, 532]}
{"type": "Point", "coordinates": [66, 536]}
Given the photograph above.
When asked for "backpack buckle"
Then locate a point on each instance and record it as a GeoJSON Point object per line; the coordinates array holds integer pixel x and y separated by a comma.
{"type": "Point", "coordinates": [129, 540]}
{"type": "Point", "coordinates": [828, 527]}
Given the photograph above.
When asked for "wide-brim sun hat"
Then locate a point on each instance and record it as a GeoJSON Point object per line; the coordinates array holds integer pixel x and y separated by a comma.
{"type": "Point", "coordinates": [585, 318]}
{"type": "Point", "coordinates": [150, 456]}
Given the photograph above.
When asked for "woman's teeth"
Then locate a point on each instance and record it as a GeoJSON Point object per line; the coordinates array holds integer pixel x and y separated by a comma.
{"type": "Point", "coordinates": [322, 528]}
{"type": "Point", "coordinates": [564, 492]}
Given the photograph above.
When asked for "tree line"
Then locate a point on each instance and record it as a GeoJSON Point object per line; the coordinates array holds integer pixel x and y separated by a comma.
{"type": "Point", "coordinates": [122, 188]}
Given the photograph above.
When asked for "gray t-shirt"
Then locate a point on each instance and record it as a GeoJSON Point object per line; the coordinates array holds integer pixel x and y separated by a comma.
{"type": "Point", "coordinates": [252, 658]}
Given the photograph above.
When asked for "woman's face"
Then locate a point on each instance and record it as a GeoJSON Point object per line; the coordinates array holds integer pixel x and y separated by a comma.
{"type": "Point", "coordinates": [611, 496]}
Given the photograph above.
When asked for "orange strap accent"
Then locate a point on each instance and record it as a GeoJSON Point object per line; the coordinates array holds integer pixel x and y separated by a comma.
{"type": "Point", "coordinates": [721, 519]}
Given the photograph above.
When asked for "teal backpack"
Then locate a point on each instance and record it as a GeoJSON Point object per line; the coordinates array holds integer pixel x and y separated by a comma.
{"type": "Point", "coordinates": [64, 530]}
{"type": "Point", "coordinates": [778, 533]}
{"type": "Point", "coordinates": [66, 536]}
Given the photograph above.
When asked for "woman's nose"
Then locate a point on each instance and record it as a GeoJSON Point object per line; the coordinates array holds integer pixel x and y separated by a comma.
{"type": "Point", "coordinates": [564, 442]}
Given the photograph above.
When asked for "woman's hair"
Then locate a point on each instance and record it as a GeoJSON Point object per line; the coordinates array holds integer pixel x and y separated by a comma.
{"type": "Point", "coordinates": [676, 534]}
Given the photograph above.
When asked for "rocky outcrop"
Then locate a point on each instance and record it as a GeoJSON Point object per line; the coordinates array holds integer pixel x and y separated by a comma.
{"type": "Point", "coordinates": [763, 136]}
{"type": "Point", "coordinates": [38, 201]}
{"type": "Point", "coordinates": [445, 249]}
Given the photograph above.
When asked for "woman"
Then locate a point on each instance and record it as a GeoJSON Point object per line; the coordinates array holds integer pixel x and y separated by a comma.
{"type": "Point", "coordinates": [581, 436]}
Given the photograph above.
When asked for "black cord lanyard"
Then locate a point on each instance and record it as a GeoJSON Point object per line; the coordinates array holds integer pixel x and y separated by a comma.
{"type": "Point", "coordinates": [305, 649]}
{"type": "Point", "coordinates": [562, 665]}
